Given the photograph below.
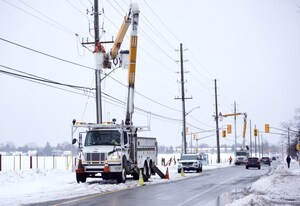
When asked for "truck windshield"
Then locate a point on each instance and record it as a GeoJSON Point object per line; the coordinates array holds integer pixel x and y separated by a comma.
{"type": "Point", "coordinates": [102, 138]}
{"type": "Point", "coordinates": [241, 154]}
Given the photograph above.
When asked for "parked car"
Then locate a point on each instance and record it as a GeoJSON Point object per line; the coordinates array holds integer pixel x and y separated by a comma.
{"type": "Point", "coordinates": [253, 162]}
{"type": "Point", "coordinates": [273, 158]}
{"type": "Point", "coordinates": [190, 162]}
{"type": "Point", "coordinates": [266, 160]}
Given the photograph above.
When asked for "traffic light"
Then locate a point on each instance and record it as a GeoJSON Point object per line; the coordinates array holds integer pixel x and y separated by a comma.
{"type": "Point", "coordinates": [255, 132]}
{"type": "Point", "coordinates": [187, 129]}
{"type": "Point", "coordinates": [223, 133]}
{"type": "Point", "coordinates": [229, 128]}
{"type": "Point", "coordinates": [194, 136]}
{"type": "Point", "coordinates": [267, 128]}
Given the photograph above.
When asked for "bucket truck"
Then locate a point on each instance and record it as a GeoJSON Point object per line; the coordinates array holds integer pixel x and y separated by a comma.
{"type": "Point", "coordinates": [242, 154]}
{"type": "Point", "coordinates": [115, 150]}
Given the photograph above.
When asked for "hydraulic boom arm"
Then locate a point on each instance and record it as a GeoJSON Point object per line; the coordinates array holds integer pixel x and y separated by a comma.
{"type": "Point", "coordinates": [134, 11]}
{"type": "Point", "coordinates": [245, 123]}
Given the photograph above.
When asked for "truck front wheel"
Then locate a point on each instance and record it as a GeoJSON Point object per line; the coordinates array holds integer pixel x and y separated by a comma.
{"type": "Point", "coordinates": [121, 177]}
{"type": "Point", "coordinates": [80, 178]}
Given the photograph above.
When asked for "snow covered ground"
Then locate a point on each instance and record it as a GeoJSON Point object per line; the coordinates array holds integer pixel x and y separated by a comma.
{"type": "Point", "coordinates": [280, 187]}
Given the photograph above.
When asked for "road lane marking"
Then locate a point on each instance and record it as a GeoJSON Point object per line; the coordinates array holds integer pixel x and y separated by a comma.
{"type": "Point", "coordinates": [218, 185]}
{"type": "Point", "coordinates": [88, 197]}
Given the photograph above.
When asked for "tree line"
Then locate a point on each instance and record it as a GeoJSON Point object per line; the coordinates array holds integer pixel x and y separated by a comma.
{"type": "Point", "coordinates": [293, 136]}
{"type": "Point", "coordinates": [9, 148]}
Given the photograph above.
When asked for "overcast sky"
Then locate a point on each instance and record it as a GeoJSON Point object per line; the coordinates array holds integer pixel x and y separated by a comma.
{"type": "Point", "coordinates": [251, 47]}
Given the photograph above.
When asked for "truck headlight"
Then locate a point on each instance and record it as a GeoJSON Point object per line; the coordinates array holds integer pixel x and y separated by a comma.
{"type": "Point", "coordinates": [114, 157]}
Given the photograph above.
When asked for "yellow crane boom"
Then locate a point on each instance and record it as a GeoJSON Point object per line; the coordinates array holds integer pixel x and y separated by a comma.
{"type": "Point", "coordinates": [237, 114]}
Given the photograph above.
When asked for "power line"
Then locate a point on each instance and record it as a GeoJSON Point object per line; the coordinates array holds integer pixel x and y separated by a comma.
{"type": "Point", "coordinates": [45, 54]}
{"type": "Point", "coordinates": [52, 20]}
{"type": "Point", "coordinates": [67, 61]}
{"type": "Point", "coordinates": [55, 24]}
{"type": "Point", "coordinates": [172, 33]}
{"type": "Point", "coordinates": [40, 79]}
{"type": "Point", "coordinates": [86, 90]}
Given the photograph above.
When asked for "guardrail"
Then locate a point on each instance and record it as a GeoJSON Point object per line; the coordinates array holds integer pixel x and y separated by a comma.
{"type": "Point", "coordinates": [24, 162]}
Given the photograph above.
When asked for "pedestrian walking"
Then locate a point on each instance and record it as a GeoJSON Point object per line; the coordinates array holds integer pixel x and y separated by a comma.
{"type": "Point", "coordinates": [288, 160]}
{"type": "Point", "coordinates": [230, 160]}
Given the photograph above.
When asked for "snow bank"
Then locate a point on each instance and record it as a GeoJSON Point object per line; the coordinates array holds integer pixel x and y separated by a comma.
{"type": "Point", "coordinates": [39, 185]}
{"type": "Point", "coordinates": [279, 187]}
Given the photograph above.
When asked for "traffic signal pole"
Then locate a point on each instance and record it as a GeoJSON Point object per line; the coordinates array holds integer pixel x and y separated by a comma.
{"type": "Point", "coordinates": [255, 141]}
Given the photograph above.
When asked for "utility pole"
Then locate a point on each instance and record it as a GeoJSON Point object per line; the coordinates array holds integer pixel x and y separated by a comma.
{"type": "Point", "coordinates": [258, 144]}
{"type": "Point", "coordinates": [262, 145]}
{"type": "Point", "coordinates": [98, 65]}
{"type": "Point", "coordinates": [289, 153]}
{"type": "Point", "coordinates": [235, 137]}
{"type": "Point", "coordinates": [99, 61]}
{"type": "Point", "coordinates": [255, 142]}
{"type": "Point", "coordinates": [250, 138]}
{"type": "Point", "coordinates": [217, 123]}
{"type": "Point", "coordinates": [183, 150]}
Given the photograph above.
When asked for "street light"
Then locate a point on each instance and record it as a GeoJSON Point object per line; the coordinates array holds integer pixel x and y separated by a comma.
{"type": "Point", "coordinates": [186, 114]}
{"type": "Point", "coordinates": [183, 150]}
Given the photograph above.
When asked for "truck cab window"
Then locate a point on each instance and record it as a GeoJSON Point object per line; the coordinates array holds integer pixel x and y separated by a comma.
{"type": "Point", "coordinates": [102, 138]}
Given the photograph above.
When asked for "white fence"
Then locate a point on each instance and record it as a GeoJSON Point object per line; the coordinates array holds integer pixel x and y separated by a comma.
{"type": "Point", "coordinates": [24, 162]}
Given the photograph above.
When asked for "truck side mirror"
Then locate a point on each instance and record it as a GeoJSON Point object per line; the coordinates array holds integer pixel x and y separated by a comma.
{"type": "Point", "coordinates": [74, 141]}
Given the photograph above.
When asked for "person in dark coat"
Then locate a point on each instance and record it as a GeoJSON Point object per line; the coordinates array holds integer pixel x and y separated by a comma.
{"type": "Point", "coordinates": [230, 160]}
{"type": "Point", "coordinates": [288, 160]}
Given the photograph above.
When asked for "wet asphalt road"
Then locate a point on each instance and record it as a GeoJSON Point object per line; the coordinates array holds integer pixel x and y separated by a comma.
{"type": "Point", "coordinates": [212, 187]}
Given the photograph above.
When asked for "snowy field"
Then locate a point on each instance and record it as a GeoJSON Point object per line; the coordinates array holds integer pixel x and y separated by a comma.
{"type": "Point", "coordinates": [280, 187]}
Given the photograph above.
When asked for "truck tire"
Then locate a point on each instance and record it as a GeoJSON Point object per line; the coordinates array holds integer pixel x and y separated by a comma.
{"type": "Point", "coordinates": [121, 176]}
{"type": "Point", "coordinates": [135, 176]}
{"type": "Point", "coordinates": [81, 178]}
{"type": "Point", "coordinates": [146, 170]}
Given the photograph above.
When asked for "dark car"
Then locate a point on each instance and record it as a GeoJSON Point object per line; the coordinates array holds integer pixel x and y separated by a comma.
{"type": "Point", "coordinates": [266, 160]}
{"type": "Point", "coordinates": [253, 162]}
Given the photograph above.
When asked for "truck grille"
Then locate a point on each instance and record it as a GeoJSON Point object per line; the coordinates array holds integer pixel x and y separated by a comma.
{"type": "Point", "coordinates": [95, 156]}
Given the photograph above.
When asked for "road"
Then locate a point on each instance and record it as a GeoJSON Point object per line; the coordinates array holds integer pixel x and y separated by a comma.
{"type": "Point", "coordinates": [212, 187]}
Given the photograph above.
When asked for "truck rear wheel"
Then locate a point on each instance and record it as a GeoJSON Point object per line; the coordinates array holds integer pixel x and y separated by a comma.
{"type": "Point", "coordinates": [146, 170]}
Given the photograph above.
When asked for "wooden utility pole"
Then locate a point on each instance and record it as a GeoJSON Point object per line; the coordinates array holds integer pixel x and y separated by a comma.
{"type": "Point", "coordinates": [250, 138]}
{"type": "Point", "coordinates": [235, 136]}
{"type": "Point", "coordinates": [217, 124]}
{"type": "Point", "coordinates": [183, 98]}
{"type": "Point", "coordinates": [98, 67]}
{"type": "Point", "coordinates": [255, 142]}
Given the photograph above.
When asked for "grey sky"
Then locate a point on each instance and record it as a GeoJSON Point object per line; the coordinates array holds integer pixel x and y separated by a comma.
{"type": "Point", "coordinates": [251, 47]}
